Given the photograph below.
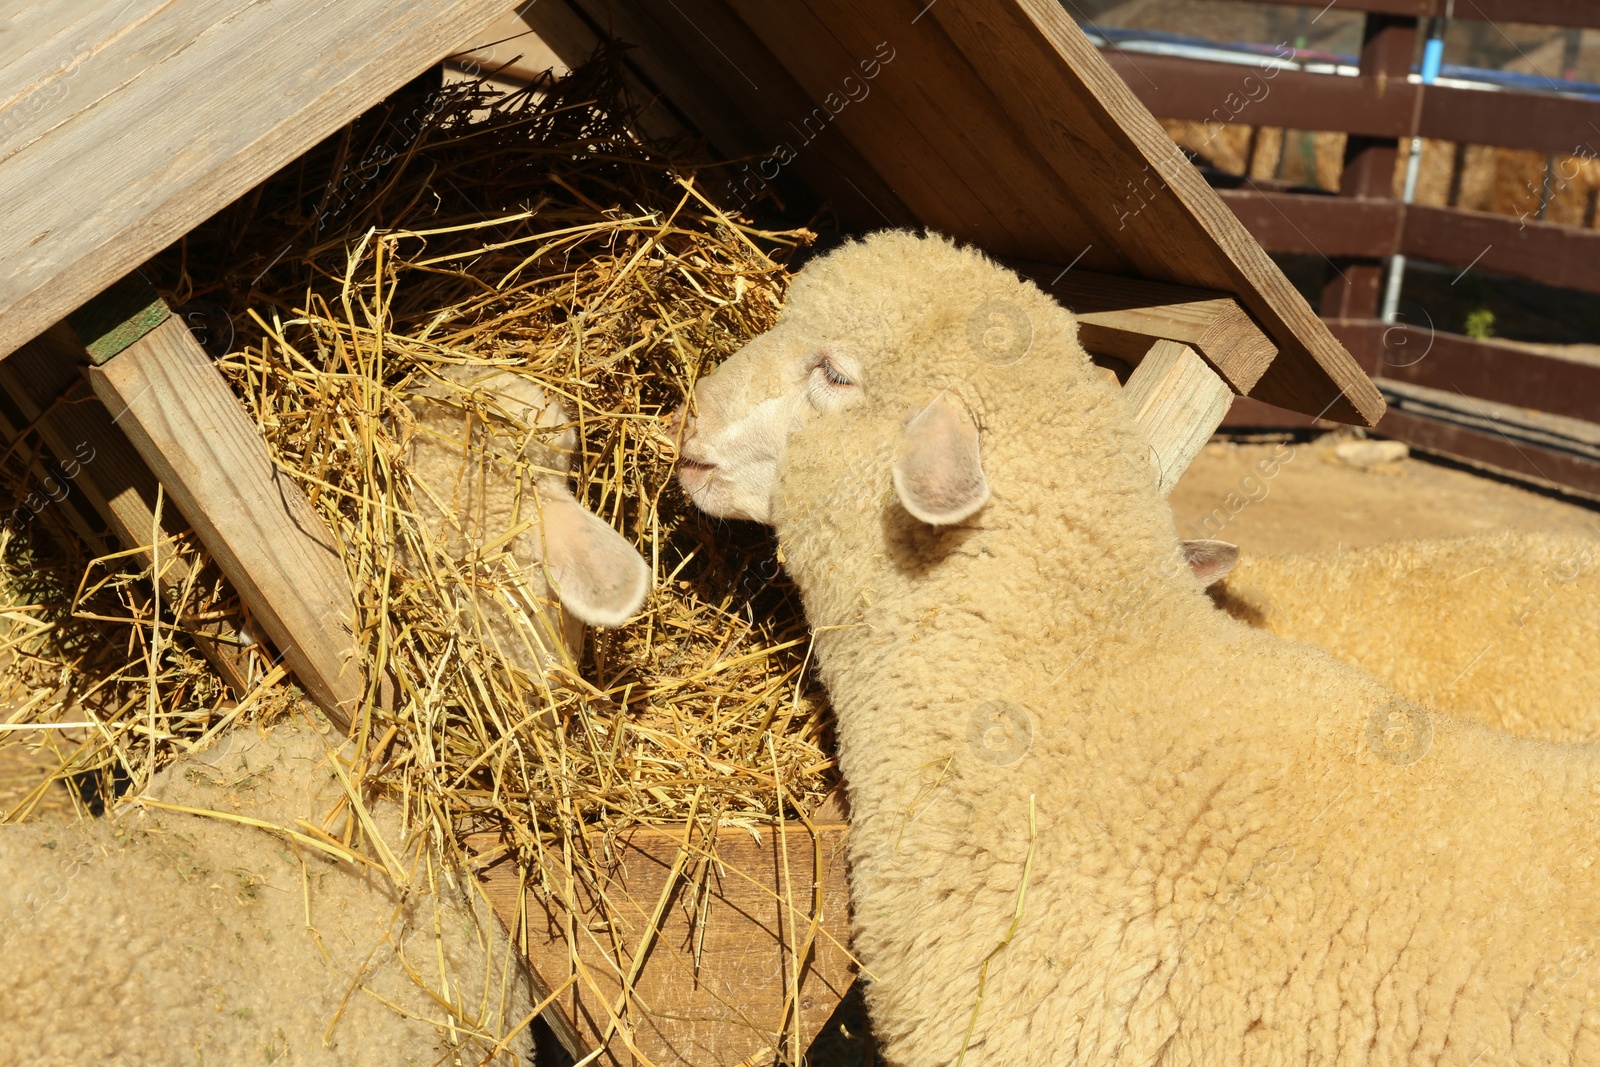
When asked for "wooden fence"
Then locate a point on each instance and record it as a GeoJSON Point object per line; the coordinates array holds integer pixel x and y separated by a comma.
{"type": "Point", "coordinates": [1454, 398]}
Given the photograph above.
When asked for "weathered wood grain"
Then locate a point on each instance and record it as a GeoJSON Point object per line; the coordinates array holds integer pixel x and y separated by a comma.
{"type": "Point", "coordinates": [125, 123]}
{"type": "Point", "coordinates": [176, 409]}
{"type": "Point", "coordinates": [1178, 402]}
{"type": "Point", "coordinates": [1123, 317]}
{"type": "Point", "coordinates": [718, 978]}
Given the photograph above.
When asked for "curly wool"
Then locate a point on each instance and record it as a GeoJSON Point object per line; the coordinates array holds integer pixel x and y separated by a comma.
{"type": "Point", "coordinates": [1246, 852]}
{"type": "Point", "coordinates": [159, 937]}
{"type": "Point", "coordinates": [1498, 628]}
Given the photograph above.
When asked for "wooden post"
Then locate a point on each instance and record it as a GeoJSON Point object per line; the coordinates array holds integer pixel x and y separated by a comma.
{"type": "Point", "coordinates": [176, 409]}
{"type": "Point", "coordinates": [1178, 402]}
{"type": "Point", "coordinates": [694, 969]}
{"type": "Point", "coordinates": [1122, 317]}
{"type": "Point", "coordinates": [1388, 41]}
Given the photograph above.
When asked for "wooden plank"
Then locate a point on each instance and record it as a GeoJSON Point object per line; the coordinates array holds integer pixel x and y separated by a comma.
{"type": "Point", "coordinates": [179, 413]}
{"type": "Point", "coordinates": [1491, 370]}
{"type": "Point", "coordinates": [45, 382]}
{"type": "Point", "coordinates": [1496, 453]}
{"type": "Point", "coordinates": [1307, 224]}
{"type": "Point", "coordinates": [1178, 402]}
{"type": "Point", "coordinates": [110, 143]}
{"type": "Point", "coordinates": [1565, 256]}
{"type": "Point", "coordinates": [1176, 87]}
{"type": "Point", "coordinates": [1582, 13]}
{"type": "Point", "coordinates": [717, 981]}
{"type": "Point", "coordinates": [958, 173]}
{"type": "Point", "coordinates": [1123, 317]}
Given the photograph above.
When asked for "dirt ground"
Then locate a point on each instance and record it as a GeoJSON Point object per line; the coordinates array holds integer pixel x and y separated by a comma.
{"type": "Point", "coordinates": [1313, 501]}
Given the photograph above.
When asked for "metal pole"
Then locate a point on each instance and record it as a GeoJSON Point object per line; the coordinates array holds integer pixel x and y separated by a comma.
{"type": "Point", "coordinates": [1432, 58]}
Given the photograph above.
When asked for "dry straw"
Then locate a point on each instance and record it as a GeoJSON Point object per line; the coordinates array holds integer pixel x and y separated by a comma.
{"type": "Point", "coordinates": [538, 233]}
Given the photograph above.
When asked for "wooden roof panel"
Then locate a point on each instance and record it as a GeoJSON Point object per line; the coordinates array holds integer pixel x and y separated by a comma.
{"type": "Point", "coordinates": [126, 123]}
{"type": "Point", "coordinates": [998, 123]}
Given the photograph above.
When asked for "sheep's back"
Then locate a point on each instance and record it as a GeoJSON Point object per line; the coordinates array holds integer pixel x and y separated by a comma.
{"type": "Point", "coordinates": [157, 937]}
{"type": "Point", "coordinates": [1495, 628]}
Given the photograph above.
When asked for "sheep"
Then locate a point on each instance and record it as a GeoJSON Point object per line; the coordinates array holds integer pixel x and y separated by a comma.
{"type": "Point", "coordinates": [163, 936]}
{"type": "Point", "coordinates": [489, 457]}
{"type": "Point", "coordinates": [1095, 820]}
{"type": "Point", "coordinates": [1498, 628]}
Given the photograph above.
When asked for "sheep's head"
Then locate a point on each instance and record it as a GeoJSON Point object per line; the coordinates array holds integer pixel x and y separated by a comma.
{"type": "Point", "coordinates": [491, 457]}
{"type": "Point", "coordinates": [892, 351]}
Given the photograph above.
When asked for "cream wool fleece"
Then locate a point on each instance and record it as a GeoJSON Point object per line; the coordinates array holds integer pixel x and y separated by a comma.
{"type": "Point", "coordinates": [1246, 851]}
{"type": "Point", "coordinates": [154, 937]}
{"type": "Point", "coordinates": [1499, 628]}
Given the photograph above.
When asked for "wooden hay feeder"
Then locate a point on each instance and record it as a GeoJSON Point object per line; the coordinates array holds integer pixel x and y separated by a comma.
{"type": "Point", "coordinates": [125, 124]}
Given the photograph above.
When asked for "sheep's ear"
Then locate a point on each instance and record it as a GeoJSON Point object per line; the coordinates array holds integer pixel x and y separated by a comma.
{"type": "Point", "coordinates": [598, 576]}
{"type": "Point", "coordinates": [938, 475]}
{"type": "Point", "coordinates": [1210, 560]}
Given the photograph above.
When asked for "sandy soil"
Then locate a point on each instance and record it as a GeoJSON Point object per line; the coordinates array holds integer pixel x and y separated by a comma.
{"type": "Point", "coordinates": [1313, 501]}
{"type": "Point", "coordinates": [22, 767]}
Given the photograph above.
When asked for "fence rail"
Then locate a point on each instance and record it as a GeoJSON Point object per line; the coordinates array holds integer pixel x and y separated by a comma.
{"type": "Point", "coordinates": [1357, 228]}
{"type": "Point", "coordinates": [1582, 14]}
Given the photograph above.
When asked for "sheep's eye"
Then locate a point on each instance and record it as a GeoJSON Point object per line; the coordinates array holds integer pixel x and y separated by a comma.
{"type": "Point", "coordinates": [830, 372]}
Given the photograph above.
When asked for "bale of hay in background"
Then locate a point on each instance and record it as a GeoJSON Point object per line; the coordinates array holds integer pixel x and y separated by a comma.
{"type": "Point", "coordinates": [535, 232]}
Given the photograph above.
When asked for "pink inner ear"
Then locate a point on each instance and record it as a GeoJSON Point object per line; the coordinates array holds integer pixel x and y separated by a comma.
{"type": "Point", "coordinates": [598, 576]}
{"type": "Point", "coordinates": [1210, 560]}
{"type": "Point", "coordinates": [939, 473]}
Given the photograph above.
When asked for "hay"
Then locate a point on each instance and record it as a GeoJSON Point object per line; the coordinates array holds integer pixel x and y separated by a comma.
{"type": "Point", "coordinates": [538, 233]}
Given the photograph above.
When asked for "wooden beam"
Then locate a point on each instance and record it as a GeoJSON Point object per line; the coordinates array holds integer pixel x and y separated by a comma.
{"type": "Point", "coordinates": [43, 378]}
{"type": "Point", "coordinates": [1178, 402]}
{"type": "Point", "coordinates": [715, 983]}
{"type": "Point", "coordinates": [176, 409]}
{"type": "Point", "coordinates": [1523, 460]}
{"type": "Point", "coordinates": [1305, 224]}
{"type": "Point", "coordinates": [1497, 371]}
{"type": "Point", "coordinates": [111, 145]}
{"type": "Point", "coordinates": [1564, 256]}
{"type": "Point", "coordinates": [1175, 87]}
{"type": "Point", "coordinates": [1581, 13]}
{"type": "Point", "coordinates": [1308, 224]}
{"type": "Point", "coordinates": [1123, 317]}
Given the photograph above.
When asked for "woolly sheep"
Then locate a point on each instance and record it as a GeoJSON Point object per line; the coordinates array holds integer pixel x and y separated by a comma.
{"type": "Point", "coordinates": [489, 456]}
{"type": "Point", "coordinates": [1094, 820]}
{"type": "Point", "coordinates": [157, 936]}
{"type": "Point", "coordinates": [1498, 628]}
